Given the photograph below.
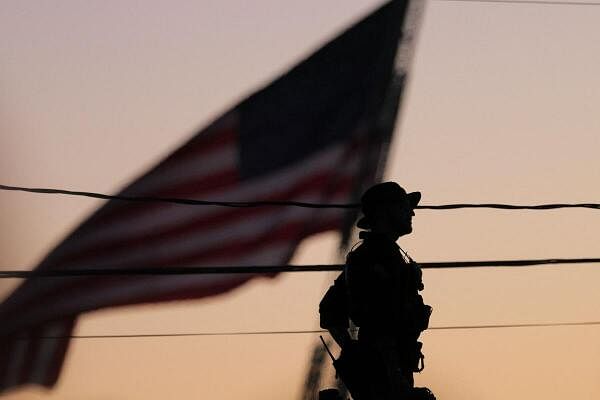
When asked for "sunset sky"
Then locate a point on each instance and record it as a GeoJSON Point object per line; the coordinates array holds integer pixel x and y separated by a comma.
{"type": "Point", "coordinates": [502, 106]}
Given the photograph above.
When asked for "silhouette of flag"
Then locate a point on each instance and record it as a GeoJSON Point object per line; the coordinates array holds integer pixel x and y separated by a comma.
{"type": "Point", "coordinates": [317, 134]}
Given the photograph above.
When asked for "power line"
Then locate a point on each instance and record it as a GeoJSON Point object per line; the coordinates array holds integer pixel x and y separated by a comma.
{"type": "Point", "coordinates": [501, 326]}
{"type": "Point", "coordinates": [304, 332]}
{"type": "Point", "coordinates": [511, 206]}
{"type": "Point", "coordinates": [238, 204]}
{"type": "Point", "coordinates": [245, 204]}
{"type": "Point", "coordinates": [269, 269]}
{"type": "Point", "coordinates": [530, 2]}
{"type": "Point", "coordinates": [166, 270]}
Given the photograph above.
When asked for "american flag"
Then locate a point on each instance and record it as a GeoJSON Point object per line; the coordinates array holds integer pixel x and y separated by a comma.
{"type": "Point", "coordinates": [316, 134]}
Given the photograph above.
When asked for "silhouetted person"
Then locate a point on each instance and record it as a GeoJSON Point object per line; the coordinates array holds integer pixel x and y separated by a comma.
{"type": "Point", "coordinates": [382, 298]}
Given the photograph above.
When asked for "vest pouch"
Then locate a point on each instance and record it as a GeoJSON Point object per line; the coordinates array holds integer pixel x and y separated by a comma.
{"type": "Point", "coordinates": [411, 356]}
{"type": "Point", "coordinates": [421, 315]}
{"type": "Point", "coordinates": [418, 359]}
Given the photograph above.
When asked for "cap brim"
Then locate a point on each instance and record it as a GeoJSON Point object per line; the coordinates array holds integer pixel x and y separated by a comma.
{"type": "Point", "coordinates": [414, 198]}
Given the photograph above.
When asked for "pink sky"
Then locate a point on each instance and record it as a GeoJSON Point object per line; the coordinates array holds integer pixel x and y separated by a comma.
{"type": "Point", "coordinates": [502, 107]}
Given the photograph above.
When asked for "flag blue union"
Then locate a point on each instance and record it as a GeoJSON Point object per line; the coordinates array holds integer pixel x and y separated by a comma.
{"type": "Point", "coordinates": [316, 134]}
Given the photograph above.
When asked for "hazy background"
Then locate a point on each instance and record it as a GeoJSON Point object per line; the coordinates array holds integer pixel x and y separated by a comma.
{"type": "Point", "coordinates": [502, 107]}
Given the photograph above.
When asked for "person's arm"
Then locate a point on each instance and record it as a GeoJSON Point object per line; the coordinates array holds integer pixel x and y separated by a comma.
{"type": "Point", "coordinates": [356, 286]}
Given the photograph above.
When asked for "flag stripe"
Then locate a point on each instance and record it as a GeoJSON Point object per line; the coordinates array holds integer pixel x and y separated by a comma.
{"type": "Point", "coordinates": [6, 347]}
{"type": "Point", "coordinates": [46, 352]}
{"type": "Point", "coordinates": [186, 254]}
{"type": "Point", "coordinates": [204, 231]}
{"type": "Point", "coordinates": [16, 360]}
{"type": "Point", "coordinates": [254, 189]}
{"type": "Point", "coordinates": [255, 251]}
{"type": "Point", "coordinates": [192, 169]}
{"type": "Point", "coordinates": [28, 357]}
{"type": "Point", "coordinates": [165, 254]}
{"type": "Point", "coordinates": [53, 286]}
{"type": "Point", "coordinates": [177, 288]}
{"type": "Point", "coordinates": [222, 133]}
{"type": "Point", "coordinates": [130, 219]}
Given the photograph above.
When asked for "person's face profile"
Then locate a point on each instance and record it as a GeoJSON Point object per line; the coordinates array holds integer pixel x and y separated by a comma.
{"type": "Point", "coordinates": [401, 214]}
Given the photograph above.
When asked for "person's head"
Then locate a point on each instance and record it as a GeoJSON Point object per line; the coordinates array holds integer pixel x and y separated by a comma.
{"type": "Point", "coordinates": [388, 209]}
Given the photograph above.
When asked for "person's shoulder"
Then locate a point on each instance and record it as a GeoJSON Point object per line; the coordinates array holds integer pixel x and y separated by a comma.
{"type": "Point", "coordinates": [359, 253]}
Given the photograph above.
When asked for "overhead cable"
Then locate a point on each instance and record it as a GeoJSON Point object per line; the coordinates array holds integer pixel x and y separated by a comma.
{"type": "Point", "coordinates": [244, 204]}
{"type": "Point", "coordinates": [268, 269]}
{"type": "Point", "coordinates": [511, 206]}
{"type": "Point", "coordinates": [529, 2]}
{"type": "Point", "coordinates": [194, 202]}
{"type": "Point", "coordinates": [304, 332]}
